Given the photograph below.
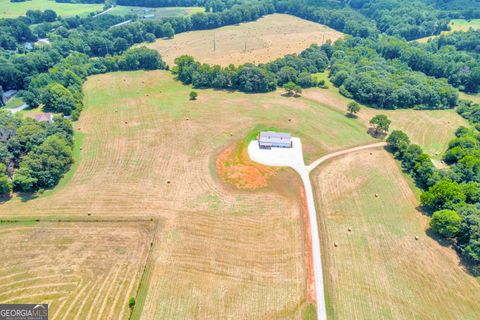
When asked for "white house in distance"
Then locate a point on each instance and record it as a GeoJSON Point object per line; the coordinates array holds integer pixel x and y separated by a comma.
{"type": "Point", "coordinates": [270, 139]}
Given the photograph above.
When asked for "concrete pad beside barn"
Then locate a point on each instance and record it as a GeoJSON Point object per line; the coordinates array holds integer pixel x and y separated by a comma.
{"type": "Point", "coordinates": [279, 157]}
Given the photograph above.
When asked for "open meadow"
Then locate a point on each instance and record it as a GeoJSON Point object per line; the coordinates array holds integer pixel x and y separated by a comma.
{"type": "Point", "coordinates": [14, 9]}
{"type": "Point", "coordinates": [379, 270]}
{"type": "Point", "coordinates": [264, 40]}
{"type": "Point", "coordinates": [82, 270]}
{"type": "Point", "coordinates": [156, 12]}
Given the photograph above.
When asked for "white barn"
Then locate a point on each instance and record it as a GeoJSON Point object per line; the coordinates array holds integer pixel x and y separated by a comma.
{"type": "Point", "coordinates": [270, 139]}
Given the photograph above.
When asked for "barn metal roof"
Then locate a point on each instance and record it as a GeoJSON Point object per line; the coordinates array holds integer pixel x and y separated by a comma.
{"type": "Point", "coordinates": [275, 137]}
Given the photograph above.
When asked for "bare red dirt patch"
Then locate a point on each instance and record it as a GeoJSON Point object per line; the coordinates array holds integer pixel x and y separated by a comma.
{"type": "Point", "coordinates": [235, 168]}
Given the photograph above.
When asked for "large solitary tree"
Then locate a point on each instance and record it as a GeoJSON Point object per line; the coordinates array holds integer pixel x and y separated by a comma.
{"type": "Point", "coordinates": [381, 123]}
{"type": "Point", "coordinates": [353, 108]}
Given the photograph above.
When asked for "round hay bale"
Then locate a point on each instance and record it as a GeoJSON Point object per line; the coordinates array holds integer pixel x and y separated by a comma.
{"type": "Point", "coordinates": [416, 238]}
{"type": "Point", "coordinates": [231, 134]}
{"type": "Point", "coordinates": [81, 148]}
{"type": "Point", "coordinates": [376, 195]}
{"type": "Point", "coordinates": [336, 244]}
{"type": "Point", "coordinates": [349, 229]}
{"type": "Point", "coordinates": [168, 181]}
{"type": "Point", "coordinates": [187, 118]}
{"type": "Point", "coordinates": [371, 153]}
{"type": "Point", "coordinates": [116, 110]}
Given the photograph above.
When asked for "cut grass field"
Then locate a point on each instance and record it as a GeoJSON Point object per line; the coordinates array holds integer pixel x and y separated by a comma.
{"type": "Point", "coordinates": [266, 39]}
{"type": "Point", "coordinates": [15, 9]}
{"type": "Point", "coordinates": [157, 12]}
{"type": "Point", "coordinates": [431, 129]}
{"type": "Point", "coordinates": [379, 270]}
{"type": "Point", "coordinates": [242, 249]}
{"type": "Point", "coordinates": [221, 252]}
{"type": "Point", "coordinates": [456, 25]}
{"type": "Point", "coordinates": [82, 270]}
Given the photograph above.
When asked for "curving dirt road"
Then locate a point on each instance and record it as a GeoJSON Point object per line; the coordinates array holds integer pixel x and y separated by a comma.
{"type": "Point", "coordinates": [317, 162]}
{"type": "Point", "coordinates": [293, 158]}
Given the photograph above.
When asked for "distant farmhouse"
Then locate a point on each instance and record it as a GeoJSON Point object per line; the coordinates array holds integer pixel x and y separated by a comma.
{"type": "Point", "coordinates": [43, 117]}
{"type": "Point", "coordinates": [270, 139]}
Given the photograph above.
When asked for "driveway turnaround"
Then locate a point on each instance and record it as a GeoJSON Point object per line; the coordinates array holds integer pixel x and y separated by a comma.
{"type": "Point", "coordinates": [293, 158]}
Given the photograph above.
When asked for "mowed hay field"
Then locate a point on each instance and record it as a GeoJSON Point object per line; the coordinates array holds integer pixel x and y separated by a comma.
{"type": "Point", "coordinates": [266, 39]}
{"type": "Point", "coordinates": [221, 253]}
{"type": "Point", "coordinates": [15, 9]}
{"type": "Point", "coordinates": [140, 130]}
{"type": "Point", "coordinates": [431, 129]}
{"type": "Point", "coordinates": [379, 270]}
{"type": "Point", "coordinates": [157, 12]}
{"type": "Point", "coordinates": [82, 270]}
{"type": "Point", "coordinates": [456, 25]}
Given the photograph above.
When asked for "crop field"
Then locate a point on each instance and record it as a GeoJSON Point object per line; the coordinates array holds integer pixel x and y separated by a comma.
{"type": "Point", "coordinates": [456, 25]}
{"type": "Point", "coordinates": [379, 270]}
{"type": "Point", "coordinates": [242, 249]}
{"type": "Point", "coordinates": [157, 12]}
{"type": "Point", "coordinates": [266, 39]}
{"type": "Point", "coordinates": [14, 9]}
{"type": "Point", "coordinates": [431, 129]}
{"type": "Point", "coordinates": [82, 270]}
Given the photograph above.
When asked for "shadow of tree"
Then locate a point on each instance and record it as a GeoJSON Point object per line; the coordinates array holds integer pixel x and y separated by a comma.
{"type": "Point", "coordinates": [376, 134]}
{"type": "Point", "coordinates": [4, 199]}
{"type": "Point", "coordinates": [27, 196]}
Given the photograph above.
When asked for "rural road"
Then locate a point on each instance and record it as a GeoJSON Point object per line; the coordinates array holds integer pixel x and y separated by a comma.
{"type": "Point", "coordinates": [293, 158]}
{"type": "Point", "coordinates": [317, 162]}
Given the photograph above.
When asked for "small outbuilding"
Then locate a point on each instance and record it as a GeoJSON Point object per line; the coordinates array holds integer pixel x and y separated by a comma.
{"type": "Point", "coordinates": [44, 117]}
{"type": "Point", "coordinates": [270, 139]}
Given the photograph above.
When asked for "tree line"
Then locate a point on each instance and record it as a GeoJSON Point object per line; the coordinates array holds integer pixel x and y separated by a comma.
{"type": "Point", "coordinates": [356, 68]}
{"type": "Point", "coordinates": [250, 78]}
